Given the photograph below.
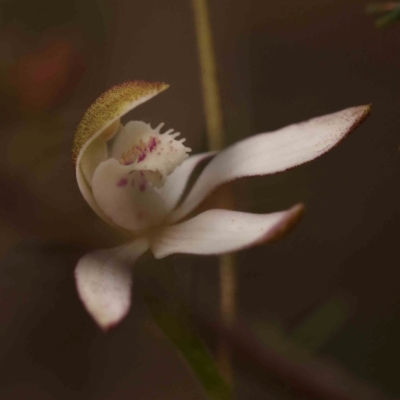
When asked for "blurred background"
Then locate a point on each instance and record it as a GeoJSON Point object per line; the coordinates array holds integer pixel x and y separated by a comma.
{"type": "Point", "coordinates": [279, 63]}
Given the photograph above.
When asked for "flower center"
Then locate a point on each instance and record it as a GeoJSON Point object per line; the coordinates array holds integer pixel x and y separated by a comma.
{"type": "Point", "coordinates": [139, 152]}
{"type": "Point", "coordinates": [148, 150]}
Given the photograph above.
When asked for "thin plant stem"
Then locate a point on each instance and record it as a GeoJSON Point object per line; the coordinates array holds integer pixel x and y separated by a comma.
{"type": "Point", "coordinates": [208, 66]}
{"type": "Point", "coordinates": [215, 132]}
{"type": "Point", "coordinates": [227, 268]}
{"type": "Point", "coordinates": [166, 303]}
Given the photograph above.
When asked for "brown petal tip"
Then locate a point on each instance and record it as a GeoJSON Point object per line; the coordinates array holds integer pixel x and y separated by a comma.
{"type": "Point", "coordinates": [285, 226]}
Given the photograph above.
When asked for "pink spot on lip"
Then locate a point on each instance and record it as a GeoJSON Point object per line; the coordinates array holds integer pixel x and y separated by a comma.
{"type": "Point", "coordinates": [142, 157]}
{"type": "Point", "coordinates": [143, 182]}
{"type": "Point", "coordinates": [122, 182]}
{"type": "Point", "coordinates": [152, 144]}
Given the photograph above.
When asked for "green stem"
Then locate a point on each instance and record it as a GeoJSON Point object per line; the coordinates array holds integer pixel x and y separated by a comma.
{"type": "Point", "coordinates": [163, 297]}
{"type": "Point", "coordinates": [215, 133]}
{"type": "Point", "coordinates": [209, 76]}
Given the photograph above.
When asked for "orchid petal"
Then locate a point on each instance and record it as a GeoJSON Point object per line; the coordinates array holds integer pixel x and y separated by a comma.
{"type": "Point", "coordinates": [176, 183]}
{"type": "Point", "coordinates": [104, 281]}
{"type": "Point", "coordinates": [223, 231]}
{"type": "Point", "coordinates": [87, 194]}
{"type": "Point", "coordinates": [126, 196]}
{"type": "Point", "coordinates": [95, 154]}
{"type": "Point", "coordinates": [100, 123]}
{"type": "Point", "coordinates": [269, 153]}
{"type": "Point", "coordinates": [107, 110]}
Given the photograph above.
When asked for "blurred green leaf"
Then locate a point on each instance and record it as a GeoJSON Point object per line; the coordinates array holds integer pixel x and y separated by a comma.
{"type": "Point", "coordinates": [274, 336]}
{"type": "Point", "coordinates": [322, 325]}
{"type": "Point", "coordinates": [313, 333]}
{"type": "Point", "coordinates": [388, 19]}
{"type": "Point", "coordinates": [375, 8]}
{"type": "Point", "coordinates": [392, 15]}
{"type": "Point", "coordinates": [161, 293]}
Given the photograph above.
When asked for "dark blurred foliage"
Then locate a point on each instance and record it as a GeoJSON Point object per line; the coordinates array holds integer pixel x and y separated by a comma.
{"type": "Point", "coordinates": [38, 15]}
{"type": "Point", "coordinates": [45, 54]}
{"type": "Point", "coordinates": [279, 63]}
{"type": "Point", "coordinates": [42, 15]}
{"type": "Point", "coordinates": [390, 11]}
{"type": "Point", "coordinates": [50, 349]}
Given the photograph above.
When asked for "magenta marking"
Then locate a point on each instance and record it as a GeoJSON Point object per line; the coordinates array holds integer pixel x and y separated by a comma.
{"type": "Point", "coordinates": [122, 182]}
{"type": "Point", "coordinates": [142, 157]}
{"type": "Point", "coordinates": [152, 144]}
{"type": "Point", "coordinates": [142, 186]}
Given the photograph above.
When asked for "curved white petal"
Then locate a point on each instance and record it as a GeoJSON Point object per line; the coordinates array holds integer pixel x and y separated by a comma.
{"type": "Point", "coordinates": [104, 114]}
{"type": "Point", "coordinates": [223, 231]}
{"type": "Point", "coordinates": [104, 281]}
{"type": "Point", "coordinates": [95, 154]}
{"type": "Point", "coordinates": [269, 153]}
{"type": "Point", "coordinates": [87, 194]}
{"type": "Point", "coordinates": [127, 197]}
{"type": "Point", "coordinates": [176, 183]}
{"type": "Point", "coordinates": [100, 123]}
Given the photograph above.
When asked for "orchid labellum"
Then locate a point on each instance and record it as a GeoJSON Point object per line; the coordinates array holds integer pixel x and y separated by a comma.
{"type": "Point", "coordinates": [134, 176]}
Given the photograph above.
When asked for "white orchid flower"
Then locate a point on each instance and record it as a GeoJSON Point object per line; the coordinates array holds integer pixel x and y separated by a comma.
{"type": "Point", "coordinates": [134, 176]}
